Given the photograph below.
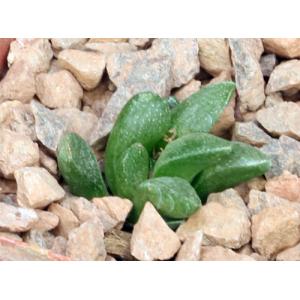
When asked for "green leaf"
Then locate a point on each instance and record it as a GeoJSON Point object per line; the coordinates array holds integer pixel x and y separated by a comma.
{"type": "Point", "coordinates": [145, 119]}
{"type": "Point", "coordinates": [79, 167]}
{"type": "Point", "coordinates": [189, 155]}
{"type": "Point", "coordinates": [132, 169]}
{"type": "Point", "coordinates": [173, 197]}
{"type": "Point", "coordinates": [244, 163]}
{"type": "Point", "coordinates": [200, 111]}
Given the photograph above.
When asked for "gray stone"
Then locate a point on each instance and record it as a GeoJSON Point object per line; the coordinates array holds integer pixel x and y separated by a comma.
{"type": "Point", "coordinates": [183, 54]}
{"type": "Point", "coordinates": [146, 74]}
{"type": "Point", "coordinates": [250, 133]}
{"type": "Point", "coordinates": [267, 64]}
{"type": "Point", "coordinates": [49, 127]}
{"type": "Point", "coordinates": [167, 64]}
{"type": "Point", "coordinates": [17, 116]}
{"type": "Point", "coordinates": [81, 122]}
{"type": "Point", "coordinates": [42, 239]}
{"type": "Point", "coordinates": [258, 201]}
{"type": "Point", "coordinates": [245, 54]}
{"type": "Point", "coordinates": [285, 155]}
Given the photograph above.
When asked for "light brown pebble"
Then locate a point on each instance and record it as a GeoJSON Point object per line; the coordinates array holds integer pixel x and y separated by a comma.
{"type": "Point", "coordinates": [86, 242]}
{"type": "Point", "coordinates": [37, 188]}
{"type": "Point", "coordinates": [152, 239]}
{"type": "Point", "coordinates": [17, 151]}
{"type": "Point", "coordinates": [59, 89]}
{"type": "Point", "coordinates": [67, 220]}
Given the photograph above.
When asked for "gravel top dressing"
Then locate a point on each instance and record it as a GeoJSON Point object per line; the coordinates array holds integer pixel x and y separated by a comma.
{"type": "Point", "coordinates": [150, 149]}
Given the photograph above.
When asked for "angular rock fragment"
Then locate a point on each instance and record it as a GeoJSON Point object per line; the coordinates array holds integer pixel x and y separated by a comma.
{"type": "Point", "coordinates": [82, 208]}
{"type": "Point", "coordinates": [18, 83]}
{"type": "Point", "coordinates": [167, 64]}
{"type": "Point", "coordinates": [214, 56]}
{"type": "Point", "coordinates": [152, 239]}
{"type": "Point", "coordinates": [191, 248]}
{"type": "Point", "coordinates": [258, 201]}
{"type": "Point", "coordinates": [37, 188]}
{"type": "Point", "coordinates": [289, 48]}
{"type": "Point", "coordinates": [87, 67]}
{"type": "Point", "coordinates": [36, 53]}
{"type": "Point", "coordinates": [81, 122]}
{"type": "Point", "coordinates": [48, 126]}
{"type": "Point", "coordinates": [289, 254]}
{"type": "Point", "coordinates": [67, 220]}
{"type": "Point", "coordinates": [25, 60]}
{"type": "Point", "coordinates": [16, 151]}
{"type": "Point", "coordinates": [142, 68]}
{"type": "Point", "coordinates": [48, 163]}
{"type": "Point", "coordinates": [281, 119]}
{"type": "Point", "coordinates": [285, 155]}
{"type": "Point", "coordinates": [85, 210]}
{"type": "Point", "coordinates": [273, 99]}
{"type": "Point", "coordinates": [218, 253]}
{"type": "Point", "coordinates": [17, 117]}
{"type": "Point", "coordinates": [284, 77]}
{"type": "Point", "coordinates": [250, 133]}
{"type": "Point", "coordinates": [138, 75]}
{"type": "Point", "coordinates": [117, 208]}
{"type": "Point", "coordinates": [245, 54]}
{"type": "Point", "coordinates": [86, 242]}
{"type": "Point", "coordinates": [64, 43]}
{"type": "Point", "coordinates": [98, 98]}
{"type": "Point", "coordinates": [187, 90]}
{"type": "Point", "coordinates": [224, 221]}
{"type": "Point", "coordinates": [286, 186]}
{"type": "Point", "coordinates": [267, 64]}
{"type": "Point", "coordinates": [275, 229]}
{"type": "Point", "coordinates": [16, 219]}
{"type": "Point", "coordinates": [46, 222]}
{"type": "Point", "coordinates": [183, 54]}
{"type": "Point", "coordinates": [59, 89]}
